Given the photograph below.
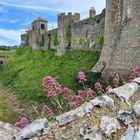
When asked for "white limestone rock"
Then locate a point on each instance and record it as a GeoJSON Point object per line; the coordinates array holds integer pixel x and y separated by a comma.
{"type": "Point", "coordinates": [109, 125]}
{"type": "Point", "coordinates": [125, 116]}
{"type": "Point", "coordinates": [137, 80]}
{"type": "Point", "coordinates": [103, 101]}
{"type": "Point", "coordinates": [65, 118]}
{"type": "Point", "coordinates": [87, 107]}
{"type": "Point", "coordinates": [129, 134]}
{"type": "Point", "coordinates": [90, 133]}
{"type": "Point", "coordinates": [136, 108]}
{"type": "Point", "coordinates": [37, 128]}
{"type": "Point", "coordinates": [125, 92]}
{"type": "Point", "coordinates": [7, 131]}
{"type": "Point", "coordinates": [137, 134]}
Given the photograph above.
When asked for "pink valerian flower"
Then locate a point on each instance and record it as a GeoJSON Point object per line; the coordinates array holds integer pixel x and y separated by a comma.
{"type": "Point", "coordinates": [51, 86]}
{"type": "Point", "coordinates": [82, 76]}
{"type": "Point", "coordinates": [67, 90]}
{"type": "Point", "coordinates": [108, 88]}
{"type": "Point", "coordinates": [47, 110]}
{"type": "Point", "coordinates": [18, 124]}
{"type": "Point", "coordinates": [98, 85]}
{"type": "Point", "coordinates": [73, 105]}
{"type": "Point", "coordinates": [132, 71]}
{"type": "Point", "coordinates": [116, 81]}
{"type": "Point", "coordinates": [78, 99]}
{"type": "Point", "coordinates": [138, 71]}
{"type": "Point", "coordinates": [81, 92]}
{"type": "Point", "coordinates": [22, 123]}
{"type": "Point", "coordinates": [90, 91]}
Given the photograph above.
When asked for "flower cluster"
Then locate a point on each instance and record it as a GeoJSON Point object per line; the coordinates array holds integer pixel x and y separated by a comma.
{"type": "Point", "coordinates": [51, 86]}
{"type": "Point", "coordinates": [115, 81]}
{"type": "Point", "coordinates": [98, 85]}
{"type": "Point", "coordinates": [46, 110]}
{"type": "Point", "coordinates": [22, 123]}
{"type": "Point", "coordinates": [134, 72]}
{"type": "Point", "coordinates": [82, 76]}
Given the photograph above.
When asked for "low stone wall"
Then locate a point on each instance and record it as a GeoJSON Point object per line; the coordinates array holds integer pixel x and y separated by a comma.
{"type": "Point", "coordinates": [114, 116]}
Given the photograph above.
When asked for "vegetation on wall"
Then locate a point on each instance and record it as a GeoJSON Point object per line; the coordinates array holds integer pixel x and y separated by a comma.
{"type": "Point", "coordinates": [50, 38]}
{"type": "Point", "coordinates": [69, 35]}
{"type": "Point", "coordinates": [100, 40]}
{"type": "Point", "coordinates": [84, 41]}
{"type": "Point", "coordinates": [24, 70]}
{"type": "Point", "coordinates": [42, 40]}
{"type": "Point", "coordinates": [55, 38]}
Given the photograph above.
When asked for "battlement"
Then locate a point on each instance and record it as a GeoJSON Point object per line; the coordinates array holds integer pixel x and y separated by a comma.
{"type": "Point", "coordinates": [64, 19]}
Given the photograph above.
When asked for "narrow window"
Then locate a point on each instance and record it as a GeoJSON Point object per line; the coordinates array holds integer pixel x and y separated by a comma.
{"type": "Point", "coordinates": [33, 27]}
{"type": "Point", "coordinates": [42, 26]}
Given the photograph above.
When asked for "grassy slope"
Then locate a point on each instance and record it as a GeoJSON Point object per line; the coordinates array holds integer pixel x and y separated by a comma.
{"type": "Point", "coordinates": [25, 70]}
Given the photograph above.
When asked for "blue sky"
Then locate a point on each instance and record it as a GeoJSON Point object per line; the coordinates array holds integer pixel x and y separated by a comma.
{"type": "Point", "coordinates": [16, 15]}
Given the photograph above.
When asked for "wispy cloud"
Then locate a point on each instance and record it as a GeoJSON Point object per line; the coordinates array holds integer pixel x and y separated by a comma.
{"type": "Point", "coordinates": [30, 7]}
{"type": "Point", "coordinates": [9, 20]}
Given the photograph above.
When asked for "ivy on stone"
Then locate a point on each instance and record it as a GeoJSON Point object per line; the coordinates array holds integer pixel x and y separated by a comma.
{"type": "Point", "coordinates": [42, 40]}
{"type": "Point", "coordinates": [55, 38]}
{"type": "Point", "coordinates": [69, 35]}
{"type": "Point", "coordinates": [100, 40]}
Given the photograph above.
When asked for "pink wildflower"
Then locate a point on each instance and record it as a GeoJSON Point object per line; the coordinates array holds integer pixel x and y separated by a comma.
{"type": "Point", "coordinates": [47, 110]}
{"type": "Point", "coordinates": [22, 123]}
{"type": "Point", "coordinates": [51, 86]}
{"type": "Point", "coordinates": [98, 85]}
{"type": "Point", "coordinates": [82, 76]}
{"type": "Point", "coordinates": [67, 90]}
{"type": "Point", "coordinates": [116, 81]}
{"type": "Point", "coordinates": [132, 71]}
{"type": "Point", "coordinates": [81, 92]}
{"type": "Point", "coordinates": [73, 105]}
{"type": "Point", "coordinates": [18, 124]}
{"type": "Point", "coordinates": [78, 99]}
{"type": "Point", "coordinates": [90, 91]}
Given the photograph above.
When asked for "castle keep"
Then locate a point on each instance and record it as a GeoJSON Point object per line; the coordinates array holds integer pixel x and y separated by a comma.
{"type": "Point", "coordinates": [72, 33]}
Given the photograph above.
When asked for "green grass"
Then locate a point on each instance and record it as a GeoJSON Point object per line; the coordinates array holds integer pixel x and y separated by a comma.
{"type": "Point", "coordinates": [24, 70]}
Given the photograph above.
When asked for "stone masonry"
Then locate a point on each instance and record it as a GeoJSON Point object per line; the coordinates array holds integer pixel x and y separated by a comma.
{"type": "Point", "coordinates": [121, 49]}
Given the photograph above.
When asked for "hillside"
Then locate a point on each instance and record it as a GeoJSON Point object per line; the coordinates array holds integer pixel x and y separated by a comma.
{"type": "Point", "coordinates": [24, 71]}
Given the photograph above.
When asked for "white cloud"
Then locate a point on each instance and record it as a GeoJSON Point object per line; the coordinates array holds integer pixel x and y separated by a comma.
{"type": "Point", "coordinates": [10, 36]}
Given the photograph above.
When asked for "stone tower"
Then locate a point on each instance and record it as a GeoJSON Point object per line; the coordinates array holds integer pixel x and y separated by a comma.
{"type": "Point", "coordinates": [121, 49]}
{"type": "Point", "coordinates": [24, 39]}
{"type": "Point", "coordinates": [63, 22]}
{"type": "Point", "coordinates": [92, 12]}
{"type": "Point", "coordinates": [38, 27]}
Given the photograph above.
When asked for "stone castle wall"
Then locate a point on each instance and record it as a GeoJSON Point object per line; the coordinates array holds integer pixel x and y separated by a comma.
{"type": "Point", "coordinates": [84, 33]}
{"type": "Point", "coordinates": [122, 37]}
{"type": "Point", "coordinates": [88, 30]}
